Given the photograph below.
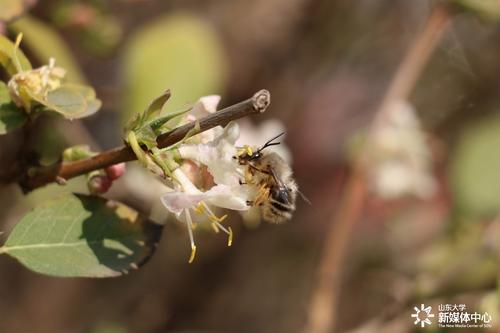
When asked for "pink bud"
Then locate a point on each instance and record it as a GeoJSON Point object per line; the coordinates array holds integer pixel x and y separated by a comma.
{"type": "Point", "coordinates": [99, 184]}
{"type": "Point", "coordinates": [115, 171]}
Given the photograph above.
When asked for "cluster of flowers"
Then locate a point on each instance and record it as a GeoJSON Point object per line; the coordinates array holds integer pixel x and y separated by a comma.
{"type": "Point", "coordinates": [399, 158]}
{"type": "Point", "coordinates": [35, 84]}
{"type": "Point", "coordinates": [203, 173]}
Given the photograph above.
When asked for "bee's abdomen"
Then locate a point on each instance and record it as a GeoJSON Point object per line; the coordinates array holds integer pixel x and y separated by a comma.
{"type": "Point", "coordinates": [277, 212]}
{"type": "Point", "coordinates": [284, 207]}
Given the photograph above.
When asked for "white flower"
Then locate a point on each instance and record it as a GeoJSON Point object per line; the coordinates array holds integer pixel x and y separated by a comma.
{"type": "Point", "coordinates": [218, 155]}
{"type": "Point", "coordinates": [234, 198]}
{"type": "Point", "coordinates": [399, 159]}
{"type": "Point", "coordinates": [35, 83]}
{"type": "Point", "coordinates": [228, 192]}
{"type": "Point", "coordinates": [205, 106]}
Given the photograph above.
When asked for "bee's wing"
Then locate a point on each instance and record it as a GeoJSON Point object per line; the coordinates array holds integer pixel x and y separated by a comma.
{"type": "Point", "coordinates": [277, 179]}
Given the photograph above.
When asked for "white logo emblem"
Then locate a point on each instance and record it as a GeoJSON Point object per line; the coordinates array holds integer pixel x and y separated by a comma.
{"type": "Point", "coordinates": [422, 315]}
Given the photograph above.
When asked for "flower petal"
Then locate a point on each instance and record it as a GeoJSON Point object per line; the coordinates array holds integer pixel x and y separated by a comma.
{"type": "Point", "coordinates": [205, 106]}
{"type": "Point", "coordinates": [220, 195]}
{"type": "Point", "coordinates": [217, 156]}
{"type": "Point", "coordinates": [223, 196]}
{"type": "Point", "coordinates": [177, 201]}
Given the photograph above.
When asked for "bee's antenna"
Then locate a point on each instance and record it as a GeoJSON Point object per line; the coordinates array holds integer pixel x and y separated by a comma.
{"type": "Point", "coordinates": [270, 142]}
{"type": "Point", "coordinates": [304, 197]}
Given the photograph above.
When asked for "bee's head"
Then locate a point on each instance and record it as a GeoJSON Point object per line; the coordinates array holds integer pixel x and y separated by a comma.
{"type": "Point", "coordinates": [255, 155]}
{"type": "Point", "coordinates": [247, 154]}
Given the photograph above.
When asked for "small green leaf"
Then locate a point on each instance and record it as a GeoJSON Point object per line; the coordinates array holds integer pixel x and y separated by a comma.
{"type": "Point", "coordinates": [72, 101]}
{"type": "Point", "coordinates": [82, 236]}
{"type": "Point", "coordinates": [11, 116]}
{"type": "Point", "coordinates": [157, 124]}
{"type": "Point", "coordinates": [8, 55]}
{"type": "Point", "coordinates": [152, 111]}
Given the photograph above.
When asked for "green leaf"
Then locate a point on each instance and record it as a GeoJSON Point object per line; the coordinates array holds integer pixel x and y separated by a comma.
{"type": "Point", "coordinates": [180, 52]}
{"type": "Point", "coordinates": [46, 43]}
{"type": "Point", "coordinates": [8, 55]}
{"type": "Point", "coordinates": [152, 111]}
{"type": "Point", "coordinates": [82, 236]}
{"type": "Point", "coordinates": [72, 101]}
{"type": "Point", "coordinates": [11, 116]}
{"type": "Point", "coordinates": [148, 125]}
{"type": "Point", "coordinates": [475, 168]}
{"type": "Point", "coordinates": [486, 9]}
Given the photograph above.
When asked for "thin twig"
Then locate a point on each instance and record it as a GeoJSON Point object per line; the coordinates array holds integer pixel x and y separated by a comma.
{"type": "Point", "coordinates": [326, 293]}
{"type": "Point", "coordinates": [44, 175]}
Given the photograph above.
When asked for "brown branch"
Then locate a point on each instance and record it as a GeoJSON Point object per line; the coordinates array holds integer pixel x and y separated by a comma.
{"type": "Point", "coordinates": [326, 294]}
{"type": "Point", "coordinates": [36, 178]}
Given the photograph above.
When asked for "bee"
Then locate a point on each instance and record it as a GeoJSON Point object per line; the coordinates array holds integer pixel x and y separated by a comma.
{"type": "Point", "coordinates": [273, 176]}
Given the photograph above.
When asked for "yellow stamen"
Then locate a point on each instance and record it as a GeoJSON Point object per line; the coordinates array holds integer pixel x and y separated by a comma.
{"type": "Point", "coordinates": [214, 226]}
{"type": "Point", "coordinates": [190, 232]}
{"type": "Point", "coordinates": [230, 237]}
{"type": "Point", "coordinates": [193, 253]}
{"type": "Point", "coordinates": [199, 209]}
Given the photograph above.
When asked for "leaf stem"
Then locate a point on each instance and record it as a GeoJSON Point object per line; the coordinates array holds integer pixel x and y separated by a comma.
{"type": "Point", "coordinates": [48, 174]}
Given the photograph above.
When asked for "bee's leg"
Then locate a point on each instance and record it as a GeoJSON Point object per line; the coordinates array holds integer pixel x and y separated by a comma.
{"type": "Point", "coordinates": [261, 196]}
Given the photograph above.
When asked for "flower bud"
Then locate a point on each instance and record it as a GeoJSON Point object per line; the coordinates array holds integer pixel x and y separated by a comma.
{"type": "Point", "coordinates": [99, 184]}
{"type": "Point", "coordinates": [115, 171]}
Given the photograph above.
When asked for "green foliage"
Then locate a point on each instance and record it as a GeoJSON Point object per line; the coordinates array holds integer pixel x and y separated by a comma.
{"type": "Point", "coordinates": [46, 43]}
{"type": "Point", "coordinates": [11, 116]}
{"type": "Point", "coordinates": [179, 52]}
{"type": "Point", "coordinates": [475, 168]}
{"type": "Point", "coordinates": [10, 57]}
{"type": "Point", "coordinates": [149, 124]}
{"type": "Point", "coordinates": [72, 101]}
{"type": "Point", "coordinates": [44, 85]}
{"type": "Point", "coordinates": [153, 111]}
{"type": "Point", "coordinates": [82, 236]}
{"type": "Point", "coordinates": [486, 9]}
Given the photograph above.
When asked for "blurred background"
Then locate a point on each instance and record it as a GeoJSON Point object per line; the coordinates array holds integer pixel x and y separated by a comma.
{"type": "Point", "coordinates": [327, 64]}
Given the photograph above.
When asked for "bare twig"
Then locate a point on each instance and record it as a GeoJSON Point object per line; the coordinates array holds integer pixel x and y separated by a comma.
{"type": "Point", "coordinates": [44, 175]}
{"type": "Point", "coordinates": [326, 294]}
